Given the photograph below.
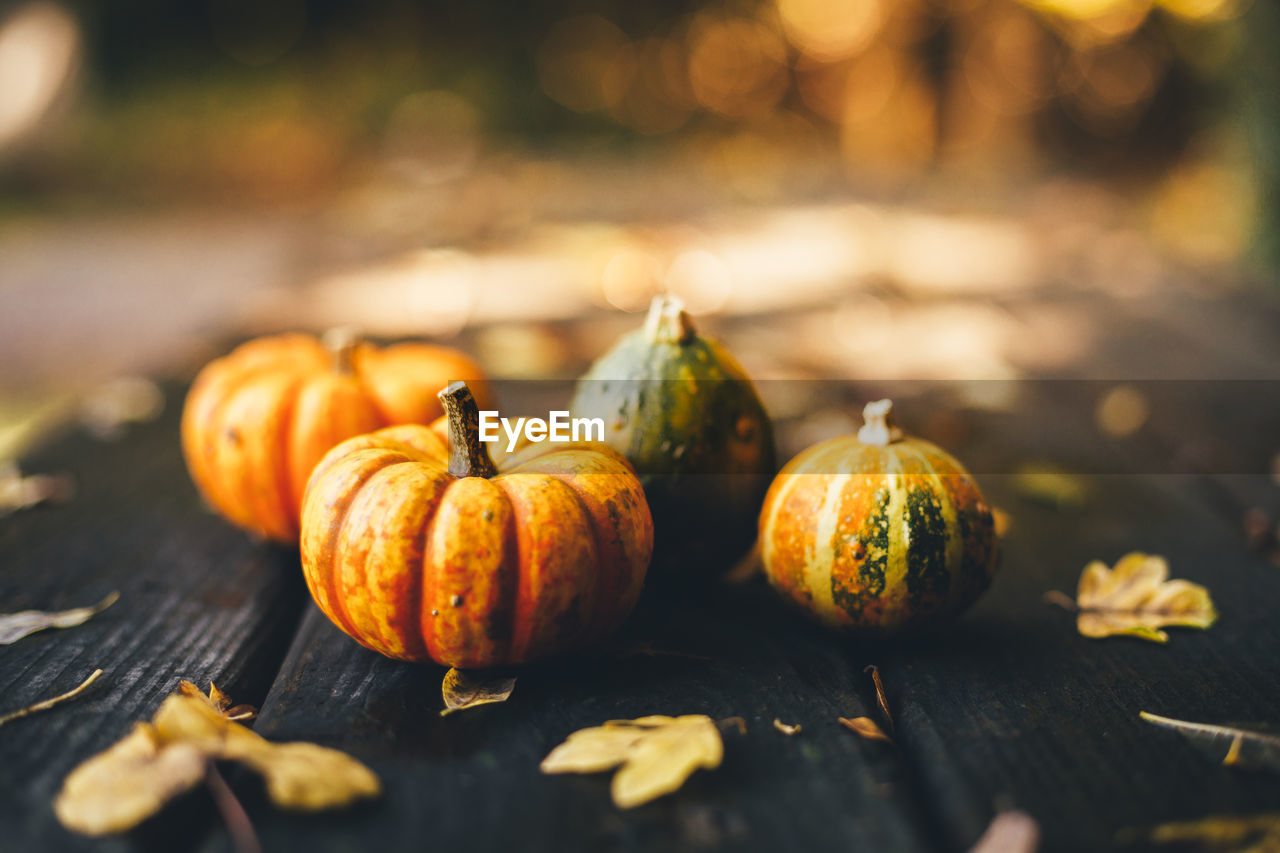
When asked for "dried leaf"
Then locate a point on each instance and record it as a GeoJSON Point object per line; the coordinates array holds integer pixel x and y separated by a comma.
{"type": "Point", "coordinates": [15, 626]}
{"type": "Point", "coordinates": [299, 776]}
{"type": "Point", "coordinates": [49, 703]}
{"type": "Point", "coordinates": [786, 729]}
{"type": "Point", "coordinates": [18, 492]}
{"type": "Point", "coordinates": [866, 727]}
{"type": "Point", "coordinates": [1009, 832]}
{"type": "Point", "coordinates": [463, 689]}
{"type": "Point", "coordinates": [131, 781]}
{"type": "Point", "coordinates": [1137, 599]}
{"type": "Point", "coordinates": [1245, 747]}
{"type": "Point", "coordinates": [880, 696]}
{"type": "Point", "coordinates": [1245, 833]}
{"type": "Point", "coordinates": [128, 400]}
{"type": "Point", "coordinates": [657, 754]}
{"type": "Point", "coordinates": [1047, 484]}
{"type": "Point", "coordinates": [125, 785]}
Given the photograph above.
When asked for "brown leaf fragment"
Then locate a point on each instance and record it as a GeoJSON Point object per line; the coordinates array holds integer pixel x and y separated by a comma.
{"type": "Point", "coordinates": [1009, 832]}
{"type": "Point", "coordinates": [733, 723]}
{"type": "Point", "coordinates": [786, 729]}
{"type": "Point", "coordinates": [1244, 833]}
{"type": "Point", "coordinates": [49, 703]}
{"type": "Point", "coordinates": [219, 700]}
{"type": "Point", "coordinates": [656, 753]}
{"type": "Point", "coordinates": [117, 789]}
{"type": "Point", "coordinates": [1137, 599]}
{"type": "Point", "coordinates": [463, 689]}
{"type": "Point", "coordinates": [18, 492]}
{"type": "Point", "coordinates": [881, 698]}
{"type": "Point", "coordinates": [1245, 747]}
{"type": "Point", "coordinates": [15, 626]}
{"type": "Point", "coordinates": [865, 727]}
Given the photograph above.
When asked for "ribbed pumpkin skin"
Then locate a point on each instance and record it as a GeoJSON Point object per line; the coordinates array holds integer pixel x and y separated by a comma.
{"type": "Point", "coordinates": [546, 557]}
{"type": "Point", "coordinates": [877, 538]}
{"type": "Point", "coordinates": [257, 421]}
{"type": "Point", "coordinates": [685, 414]}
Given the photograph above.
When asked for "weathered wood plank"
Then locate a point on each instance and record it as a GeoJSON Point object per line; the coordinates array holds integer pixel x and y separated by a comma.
{"type": "Point", "coordinates": [471, 781]}
{"type": "Point", "coordinates": [198, 600]}
{"type": "Point", "coordinates": [1013, 708]}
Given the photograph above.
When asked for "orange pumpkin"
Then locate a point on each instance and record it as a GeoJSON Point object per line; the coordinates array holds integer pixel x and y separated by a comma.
{"type": "Point", "coordinates": [258, 420]}
{"type": "Point", "coordinates": [878, 532]}
{"type": "Point", "coordinates": [419, 547]}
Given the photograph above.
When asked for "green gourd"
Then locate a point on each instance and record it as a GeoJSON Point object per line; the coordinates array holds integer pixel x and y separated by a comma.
{"type": "Point", "coordinates": [684, 413]}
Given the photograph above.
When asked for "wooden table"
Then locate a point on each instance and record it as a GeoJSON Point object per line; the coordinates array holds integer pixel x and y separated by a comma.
{"type": "Point", "coordinates": [1009, 708]}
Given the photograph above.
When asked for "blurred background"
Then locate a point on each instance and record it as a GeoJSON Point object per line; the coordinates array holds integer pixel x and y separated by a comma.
{"type": "Point", "coordinates": [861, 189]}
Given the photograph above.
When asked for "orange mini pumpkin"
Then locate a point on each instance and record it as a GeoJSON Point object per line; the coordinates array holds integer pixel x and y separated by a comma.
{"type": "Point", "coordinates": [419, 547]}
{"type": "Point", "coordinates": [258, 420]}
{"type": "Point", "coordinates": [877, 532]}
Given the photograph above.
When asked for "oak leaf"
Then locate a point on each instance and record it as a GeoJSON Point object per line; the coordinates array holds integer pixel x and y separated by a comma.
{"type": "Point", "coordinates": [656, 753]}
{"type": "Point", "coordinates": [15, 626]}
{"type": "Point", "coordinates": [117, 789]}
{"type": "Point", "coordinates": [1137, 599]}
{"type": "Point", "coordinates": [462, 689]}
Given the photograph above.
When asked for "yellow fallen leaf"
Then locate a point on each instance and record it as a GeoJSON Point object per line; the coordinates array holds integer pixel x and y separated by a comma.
{"type": "Point", "coordinates": [1247, 833]}
{"type": "Point", "coordinates": [462, 689]}
{"type": "Point", "coordinates": [1137, 599]}
{"type": "Point", "coordinates": [866, 727]}
{"type": "Point", "coordinates": [15, 626]}
{"type": "Point", "coordinates": [299, 776]}
{"type": "Point", "coordinates": [119, 788]}
{"type": "Point", "coordinates": [786, 729]}
{"type": "Point", "coordinates": [657, 754]}
{"type": "Point", "coordinates": [1047, 484]}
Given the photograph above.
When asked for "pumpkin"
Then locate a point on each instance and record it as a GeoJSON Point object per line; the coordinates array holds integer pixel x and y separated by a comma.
{"type": "Point", "coordinates": [257, 421]}
{"type": "Point", "coordinates": [418, 546]}
{"type": "Point", "coordinates": [878, 532]}
{"type": "Point", "coordinates": [685, 414]}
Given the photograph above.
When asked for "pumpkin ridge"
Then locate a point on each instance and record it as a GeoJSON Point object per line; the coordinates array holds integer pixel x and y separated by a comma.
{"type": "Point", "coordinates": [521, 623]}
{"type": "Point", "coordinates": [597, 614]}
{"type": "Point", "coordinates": [395, 618]}
{"type": "Point", "coordinates": [330, 556]}
{"type": "Point", "coordinates": [236, 456]}
{"type": "Point", "coordinates": [952, 543]}
{"type": "Point", "coordinates": [897, 565]}
{"type": "Point", "coordinates": [286, 406]}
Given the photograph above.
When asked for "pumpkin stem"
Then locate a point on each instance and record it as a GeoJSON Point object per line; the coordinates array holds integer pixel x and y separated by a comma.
{"type": "Point", "coordinates": [341, 342]}
{"type": "Point", "coordinates": [878, 426]}
{"type": "Point", "coordinates": [467, 455]}
{"type": "Point", "coordinates": [668, 322]}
